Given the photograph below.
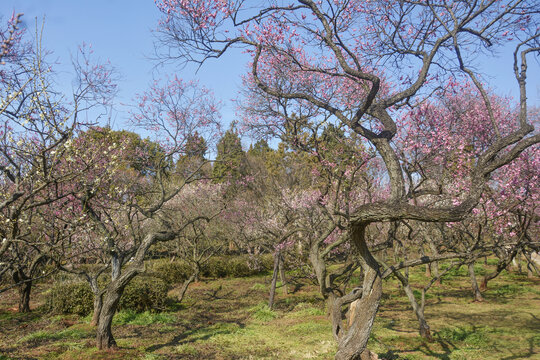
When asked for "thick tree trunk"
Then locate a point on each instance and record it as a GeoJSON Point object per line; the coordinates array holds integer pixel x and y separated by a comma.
{"type": "Point", "coordinates": [352, 343]}
{"type": "Point", "coordinates": [111, 298]}
{"type": "Point", "coordinates": [113, 292]}
{"type": "Point", "coordinates": [319, 267]}
{"type": "Point", "coordinates": [475, 289]}
{"type": "Point", "coordinates": [24, 297]}
{"type": "Point", "coordinates": [25, 288]}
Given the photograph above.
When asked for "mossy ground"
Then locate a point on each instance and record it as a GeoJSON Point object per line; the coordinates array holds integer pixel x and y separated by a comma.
{"type": "Point", "coordinates": [227, 319]}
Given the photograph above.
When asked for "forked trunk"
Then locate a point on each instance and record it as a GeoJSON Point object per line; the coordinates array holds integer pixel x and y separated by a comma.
{"type": "Point", "coordinates": [475, 289]}
{"type": "Point", "coordinates": [424, 329]}
{"type": "Point", "coordinates": [352, 343]}
{"type": "Point", "coordinates": [417, 308]}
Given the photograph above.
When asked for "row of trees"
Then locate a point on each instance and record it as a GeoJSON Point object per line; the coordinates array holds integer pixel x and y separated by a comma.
{"type": "Point", "coordinates": [393, 153]}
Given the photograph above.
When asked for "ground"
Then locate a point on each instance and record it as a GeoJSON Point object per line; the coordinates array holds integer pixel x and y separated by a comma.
{"type": "Point", "coordinates": [228, 319]}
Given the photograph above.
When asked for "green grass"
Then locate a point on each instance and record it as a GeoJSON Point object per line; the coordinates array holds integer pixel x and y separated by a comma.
{"type": "Point", "coordinates": [145, 318]}
{"type": "Point", "coordinates": [43, 335]}
{"type": "Point", "coordinates": [259, 286]}
{"type": "Point", "coordinates": [468, 335]}
{"type": "Point", "coordinates": [230, 319]}
{"type": "Point", "coordinates": [262, 312]}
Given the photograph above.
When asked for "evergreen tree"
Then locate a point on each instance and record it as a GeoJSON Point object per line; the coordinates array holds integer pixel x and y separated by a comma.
{"type": "Point", "coordinates": [231, 161]}
{"type": "Point", "coordinates": [191, 164]}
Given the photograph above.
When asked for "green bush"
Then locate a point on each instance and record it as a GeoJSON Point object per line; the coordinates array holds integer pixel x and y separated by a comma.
{"type": "Point", "coordinates": [229, 266]}
{"type": "Point", "coordinates": [142, 294]}
{"type": "Point", "coordinates": [171, 272]}
{"type": "Point", "coordinates": [70, 298]}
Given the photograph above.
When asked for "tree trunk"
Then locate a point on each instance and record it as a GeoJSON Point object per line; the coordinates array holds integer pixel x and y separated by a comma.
{"type": "Point", "coordinates": [98, 299]}
{"type": "Point", "coordinates": [113, 292]}
{"type": "Point", "coordinates": [476, 290]}
{"type": "Point", "coordinates": [352, 343]}
{"type": "Point", "coordinates": [277, 257]}
{"type": "Point", "coordinates": [419, 312]}
{"type": "Point", "coordinates": [502, 265]}
{"type": "Point", "coordinates": [517, 261]}
{"type": "Point", "coordinates": [282, 275]}
{"type": "Point", "coordinates": [424, 329]}
{"type": "Point", "coordinates": [98, 305]}
{"type": "Point", "coordinates": [24, 297]}
{"type": "Point", "coordinates": [25, 287]}
{"type": "Point", "coordinates": [111, 298]}
{"type": "Point", "coordinates": [185, 286]}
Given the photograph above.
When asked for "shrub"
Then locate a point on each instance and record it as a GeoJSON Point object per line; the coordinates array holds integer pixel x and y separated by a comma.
{"type": "Point", "coordinates": [230, 266]}
{"type": "Point", "coordinates": [70, 298]}
{"type": "Point", "coordinates": [171, 272]}
{"type": "Point", "coordinates": [142, 294]}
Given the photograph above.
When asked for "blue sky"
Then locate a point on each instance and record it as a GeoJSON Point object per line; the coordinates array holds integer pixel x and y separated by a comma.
{"type": "Point", "coordinates": [120, 30]}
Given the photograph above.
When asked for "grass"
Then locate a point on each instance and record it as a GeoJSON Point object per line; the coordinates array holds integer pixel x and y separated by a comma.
{"type": "Point", "coordinates": [230, 319]}
{"type": "Point", "coordinates": [146, 318]}
{"type": "Point", "coordinates": [263, 313]}
{"type": "Point", "coordinates": [66, 334]}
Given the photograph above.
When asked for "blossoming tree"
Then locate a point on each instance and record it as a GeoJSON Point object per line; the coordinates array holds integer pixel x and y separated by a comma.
{"type": "Point", "coordinates": [361, 63]}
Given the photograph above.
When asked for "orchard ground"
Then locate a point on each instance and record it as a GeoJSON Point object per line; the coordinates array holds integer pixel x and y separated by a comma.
{"type": "Point", "coordinates": [228, 319]}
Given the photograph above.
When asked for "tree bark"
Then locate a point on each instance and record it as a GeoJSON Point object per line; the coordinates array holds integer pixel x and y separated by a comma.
{"type": "Point", "coordinates": [113, 292]}
{"type": "Point", "coordinates": [277, 257]}
{"type": "Point", "coordinates": [25, 288]}
{"type": "Point", "coordinates": [104, 337]}
{"type": "Point", "coordinates": [282, 275]}
{"type": "Point", "coordinates": [419, 312]}
{"type": "Point", "coordinates": [186, 283]}
{"type": "Point", "coordinates": [352, 343]}
{"type": "Point", "coordinates": [98, 305]}
{"type": "Point", "coordinates": [502, 265]}
{"type": "Point", "coordinates": [98, 298]}
{"type": "Point", "coordinates": [24, 297]}
{"type": "Point", "coordinates": [428, 270]}
{"type": "Point", "coordinates": [475, 289]}
{"type": "Point", "coordinates": [418, 309]}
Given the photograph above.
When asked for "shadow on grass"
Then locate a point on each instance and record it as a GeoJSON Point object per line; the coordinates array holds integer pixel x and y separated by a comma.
{"type": "Point", "coordinates": [201, 333]}
{"type": "Point", "coordinates": [533, 341]}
